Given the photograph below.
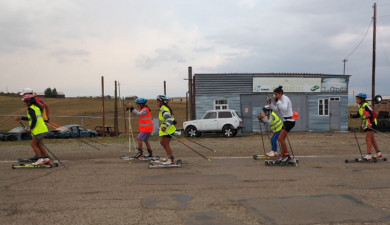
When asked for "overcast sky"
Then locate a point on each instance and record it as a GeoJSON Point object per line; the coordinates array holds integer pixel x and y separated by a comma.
{"type": "Point", "coordinates": [70, 44]}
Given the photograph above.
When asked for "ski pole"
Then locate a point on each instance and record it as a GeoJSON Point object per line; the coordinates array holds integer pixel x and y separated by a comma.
{"type": "Point", "coordinates": [192, 149]}
{"type": "Point", "coordinates": [54, 155]}
{"type": "Point", "coordinates": [380, 133]}
{"type": "Point", "coordinates": [290, 146]}
{"type": "Point", "coordinates": [262, 138]}
{"type": "Point", "coordinates": [212, 150]}
{"type": "Point", "coordinates": [357, 142]}
{"type": "Point", "coordinates": [131, 137]}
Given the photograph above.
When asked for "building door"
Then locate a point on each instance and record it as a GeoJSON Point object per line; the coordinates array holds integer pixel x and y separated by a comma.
{"type": "Point", "coordinates": [247, 117]}
{"type": "Point", "coordinates": [334, 114]}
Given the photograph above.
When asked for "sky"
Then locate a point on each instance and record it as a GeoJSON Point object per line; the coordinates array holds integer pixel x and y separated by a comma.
{"type": "Point", "coordinates": [70, 44]}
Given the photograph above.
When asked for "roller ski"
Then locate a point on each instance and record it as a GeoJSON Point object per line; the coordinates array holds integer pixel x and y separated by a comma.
{"type": "Point", "coordinates": [168, 162]}
{"type": "Point", "coordinates": [270, 155]}
{"type": "Point", "coordinates": [283, 161]}
{"type": "Point", "coordinates": [27, 160]}
{"type": "Point", "coordinates": [368, 159]}
{"type": "Point", "coordinates": [142, 158]}
{"type": "Point", "coordinates": [32, 166]}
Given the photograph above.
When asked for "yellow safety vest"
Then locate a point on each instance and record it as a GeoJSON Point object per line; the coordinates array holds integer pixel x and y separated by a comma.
{"type": "Point", "coordinates": [276, 124]}
{"type": "Point", "coordinates": [364, 118]}
{"type": "Point", "coordinates": [169, 129]}
{"type": "Point", "coordinates": [40, 126]}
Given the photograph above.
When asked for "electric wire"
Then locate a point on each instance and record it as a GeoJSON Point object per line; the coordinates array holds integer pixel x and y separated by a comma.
{"type": "Point", "coordinates": [357, 46]}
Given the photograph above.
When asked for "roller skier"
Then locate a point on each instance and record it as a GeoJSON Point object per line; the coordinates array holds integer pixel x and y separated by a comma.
{"type": "Point", "coordinates": [283, 105]}
{"type": "Point", "coordinates": [276, 125]}
{"type": "Point", "coordinates": [38, 129]}
{"type": "Point", "coordinates": [369, 124]}
{"type": "Point", "coordinates": [145, 126]}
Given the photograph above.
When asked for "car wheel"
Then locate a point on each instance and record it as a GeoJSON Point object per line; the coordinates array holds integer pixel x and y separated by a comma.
{"type": "Point", "coordinates": [93, 135]}
{"type": "Point", "coordinates": [191, 131]}
{"type": "Point", "coordinates": [228, 131]}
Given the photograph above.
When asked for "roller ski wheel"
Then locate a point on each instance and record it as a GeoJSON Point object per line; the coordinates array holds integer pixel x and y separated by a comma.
{"type": "Point", "coordinates": [255, 157]}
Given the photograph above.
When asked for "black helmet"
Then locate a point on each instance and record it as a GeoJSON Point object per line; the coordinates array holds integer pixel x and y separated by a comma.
{"type": "Point", "coordinates": [163, 98]}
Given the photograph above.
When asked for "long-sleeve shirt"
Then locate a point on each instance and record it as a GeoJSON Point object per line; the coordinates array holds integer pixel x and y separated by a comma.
{"type": "Point", "coordinates": [284, 107]}
{"type": "Point", "coordinates": [269, 120]}
{"type": "Point", "coordinates": [33, 117]}
{"type": "Point", "coordinates": [139, 113]}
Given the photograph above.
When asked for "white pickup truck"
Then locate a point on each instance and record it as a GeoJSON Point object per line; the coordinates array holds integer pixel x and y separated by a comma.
{"type": "Point", "coordinates": [226, 122]}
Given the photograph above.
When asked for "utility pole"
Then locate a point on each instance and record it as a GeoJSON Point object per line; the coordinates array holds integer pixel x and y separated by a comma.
{"type": "Point", "coordinates": [165, 88]}
{"type": "Point", "coordinates": [192, 116]}
{"type": "Point", "coordinates": [103, 127]}
{"type": "Point", "coordinates": [373, 58]}
{"type": "Point", "coordinates": [116, 110]}
{"type": "Point", "coordinates": [344, 61]}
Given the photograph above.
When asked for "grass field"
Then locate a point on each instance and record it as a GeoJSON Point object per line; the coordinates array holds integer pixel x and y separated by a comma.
{"type": "Point", "coordinates": [76, 107]}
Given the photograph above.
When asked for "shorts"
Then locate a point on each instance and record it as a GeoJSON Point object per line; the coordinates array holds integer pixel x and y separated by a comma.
{"type": "Point", "coordinates": [144, 136]}
{"type": "Point", "coordinates": [39, 136]}
{"type": "Point", "coordinates": [167, 135]}
{"type": "Point", "coordinates": [288, 125]}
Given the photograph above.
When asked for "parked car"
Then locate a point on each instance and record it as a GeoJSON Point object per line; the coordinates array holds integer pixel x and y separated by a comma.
{"type": "Point", "coordinates": [108, 131]}
{"type": "Point", "coordinates": [226, 122]}
{"type": "Point", "coordinates": [72, 131]}
{"type": "Point", "coordinates": [16, 134]}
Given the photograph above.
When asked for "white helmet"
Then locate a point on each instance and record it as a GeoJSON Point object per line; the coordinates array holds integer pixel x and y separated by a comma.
{"type": "Point", "coordinates": [27, 91]}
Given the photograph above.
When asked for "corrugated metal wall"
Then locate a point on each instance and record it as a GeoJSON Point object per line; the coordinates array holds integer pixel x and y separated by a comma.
{"type": "Point", "coordinates": [220, 86]}
{"type": "Point", "coordinates": [321, 123]}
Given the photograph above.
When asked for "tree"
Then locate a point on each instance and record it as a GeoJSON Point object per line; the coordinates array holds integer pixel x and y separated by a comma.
{"type": "Point", "coordinates": [48, 93]}
{"type": "Point", "coordinates": [54, 93]}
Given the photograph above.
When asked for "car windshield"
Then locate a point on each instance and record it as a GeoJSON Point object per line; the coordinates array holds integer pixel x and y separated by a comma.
{"type": "Point", "coordinates": [16, 130]}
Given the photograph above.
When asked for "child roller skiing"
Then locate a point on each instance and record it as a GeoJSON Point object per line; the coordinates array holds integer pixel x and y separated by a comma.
{"type": "Point", "coordinates": [276, 125]}
{"type": "Point", "coordinates": [167, 127]}
{"type": "Point", "coordinates": [284, 107]}
{"type": "Point", "coordinates": [369, 124]}
{"type": "Point", "coordinates": [37, 127]}
{"type": "Point", "coordinates": [145, 126]}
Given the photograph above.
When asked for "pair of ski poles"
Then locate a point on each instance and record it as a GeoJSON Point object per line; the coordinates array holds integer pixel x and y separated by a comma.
{"type": "Point", "coordinates": [357, 141]}
{"type": "Point", "coordinates": [189, 147]}
{"type": "Point", "coordinates": [288, 140]}
{"type": "Point", "coordinates": [49, 151]}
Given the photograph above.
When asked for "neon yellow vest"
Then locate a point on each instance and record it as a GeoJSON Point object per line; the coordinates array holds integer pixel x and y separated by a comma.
{"type": "Point", "coordinates": [364, 118]}
{"type": "Point", "coordinates": [40, 126]}
{"type": "Point", "coordinates": [276, 124]}
{"type": "Point", "coordinates": [170, 129]}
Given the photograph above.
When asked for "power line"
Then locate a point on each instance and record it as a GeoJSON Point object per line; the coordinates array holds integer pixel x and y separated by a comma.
{"type": "Point", "coordinates": [357, 46]}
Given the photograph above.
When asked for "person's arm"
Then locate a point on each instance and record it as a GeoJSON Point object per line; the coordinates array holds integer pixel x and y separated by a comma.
{"type": "Point", "coordinates": [139, 113]}
{"type": "Point", "coordinates": [33, 118]}
{"type": "Point", "coordinates": [282, 104]}
{"type": "Point", "coordinates": [269, 120]}
{"type": "Point", "coordinates": [168, 119]}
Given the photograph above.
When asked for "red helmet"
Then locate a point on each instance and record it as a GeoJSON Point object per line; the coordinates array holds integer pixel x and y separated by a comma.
{"type": "Point", "coordinates": [28, 98]}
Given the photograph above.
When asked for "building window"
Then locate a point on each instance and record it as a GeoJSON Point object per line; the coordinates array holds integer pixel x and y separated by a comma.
{"type": "Point", "coordinates": [221, 104]}
{"type": "Point", "coordinates": [323, 107]}
{"type": "Point", "coordinates": [335, 99]}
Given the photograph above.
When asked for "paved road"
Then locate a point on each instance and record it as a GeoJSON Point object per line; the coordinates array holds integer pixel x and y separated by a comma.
{"type": "Point", "coordinates": [100, 188]}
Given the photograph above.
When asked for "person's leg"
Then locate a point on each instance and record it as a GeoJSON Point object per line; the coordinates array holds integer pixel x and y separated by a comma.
{"type": "Point", "coordinates": [42, 148]}
{"type": "Point", "coordinates": [150, 152]}
{"type": "Point", "coordinates": [139, 143]}
{"type": "Point", "coordinates": [369, 136]}
{"type": "Point", "coordinates": [35, 147]}
{"type": "Point", "coordinates": [374, 142]}
{"type": "Point", "coordinates": [282, 140]}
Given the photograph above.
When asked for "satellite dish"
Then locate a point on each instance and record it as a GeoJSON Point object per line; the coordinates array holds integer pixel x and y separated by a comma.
{"type": "Point", "coordinates": [378, 99]}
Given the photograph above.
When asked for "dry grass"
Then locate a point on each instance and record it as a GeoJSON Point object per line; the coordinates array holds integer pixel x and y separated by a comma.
{"type": "Point", "coordinates": [75, 107]}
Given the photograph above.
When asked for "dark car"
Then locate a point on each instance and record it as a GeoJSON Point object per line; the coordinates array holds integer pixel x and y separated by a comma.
{"type": "Point", "coordinates": [108, 131]}
{"type": "Point", "coordinates": [72, 131]}
{"type": "Point", "coordinates": [16, 134]}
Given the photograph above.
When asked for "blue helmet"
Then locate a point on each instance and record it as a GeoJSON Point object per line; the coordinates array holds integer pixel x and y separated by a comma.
{"type": "Point", "coordinates": [361, 95]}
{"type": "Point", "coordinates": [141, 101]}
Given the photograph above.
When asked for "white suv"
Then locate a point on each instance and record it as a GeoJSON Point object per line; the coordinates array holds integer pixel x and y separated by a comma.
{"type": "Point", "coordinates": [226, 122]}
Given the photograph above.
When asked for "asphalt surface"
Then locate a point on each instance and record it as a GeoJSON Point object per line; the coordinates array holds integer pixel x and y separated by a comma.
{"type": "Point", "coordinates": [100, 188]}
